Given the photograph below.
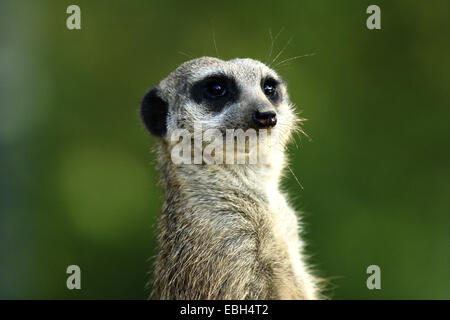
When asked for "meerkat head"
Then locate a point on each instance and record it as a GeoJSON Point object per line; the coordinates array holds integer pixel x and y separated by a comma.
{"type": "Point", "coordinates": [235, 94]}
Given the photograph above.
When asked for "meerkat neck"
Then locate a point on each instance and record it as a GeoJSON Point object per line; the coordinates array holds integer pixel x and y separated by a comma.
{"type": "Point", "coordinates": [262, 179]}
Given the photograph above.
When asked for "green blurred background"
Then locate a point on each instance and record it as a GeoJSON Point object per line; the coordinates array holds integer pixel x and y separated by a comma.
{"type": "Point", "coordinates": [78, 178]}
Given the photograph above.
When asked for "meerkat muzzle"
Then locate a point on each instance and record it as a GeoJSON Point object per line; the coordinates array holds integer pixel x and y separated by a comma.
{"type": "Point", "coordinates": [266, 119]}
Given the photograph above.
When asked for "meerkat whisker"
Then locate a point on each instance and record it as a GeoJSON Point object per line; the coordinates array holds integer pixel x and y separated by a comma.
{"type": "Point", "coordinates": [281, 51]}
{"type": "Point", "coordinates": [293, 58]}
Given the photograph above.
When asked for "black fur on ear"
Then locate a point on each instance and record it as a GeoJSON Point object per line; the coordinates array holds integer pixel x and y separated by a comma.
{"type": "Point", "coordinates": [154, 112]}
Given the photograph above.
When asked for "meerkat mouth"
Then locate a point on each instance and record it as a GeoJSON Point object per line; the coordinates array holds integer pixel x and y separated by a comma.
{"type": "Point", "coordinates": [213, 146]}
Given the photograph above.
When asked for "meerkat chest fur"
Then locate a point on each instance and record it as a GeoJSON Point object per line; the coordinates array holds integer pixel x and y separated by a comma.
{"type": "Point", "coordinates": [226, 230]}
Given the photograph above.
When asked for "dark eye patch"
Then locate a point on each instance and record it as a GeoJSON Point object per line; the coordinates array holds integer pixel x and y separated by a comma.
{"type": "Point", "coordinates": [216, 91]}
{"type": "Point", "coordinates": [271, 88]}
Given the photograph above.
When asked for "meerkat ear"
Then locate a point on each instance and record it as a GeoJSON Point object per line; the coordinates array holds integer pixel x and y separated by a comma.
{"type": "Point", "coordinates": [154, 112]}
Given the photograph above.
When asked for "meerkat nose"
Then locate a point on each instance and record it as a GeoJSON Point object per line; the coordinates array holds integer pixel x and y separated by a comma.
{"type": "Point", "coordinates": [266, 119]}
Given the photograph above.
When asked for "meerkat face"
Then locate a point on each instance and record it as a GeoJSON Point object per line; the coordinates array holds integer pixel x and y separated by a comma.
{"type": "Point", "coordinates": [235, 94]}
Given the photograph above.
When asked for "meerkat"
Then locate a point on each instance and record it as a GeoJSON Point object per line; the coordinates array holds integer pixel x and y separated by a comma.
{"type": "Point", "coordinates": [226, 231]}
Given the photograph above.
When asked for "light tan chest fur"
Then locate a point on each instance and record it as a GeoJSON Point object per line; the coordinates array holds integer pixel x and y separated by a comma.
{"type": "Point", "coordinates": [285, 226]}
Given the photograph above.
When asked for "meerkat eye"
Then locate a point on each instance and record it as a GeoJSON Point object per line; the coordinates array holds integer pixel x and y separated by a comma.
{"type": "Point", "coordinates": [215, 90]}
{"type": "Point", "coordinates": [270, 88]}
